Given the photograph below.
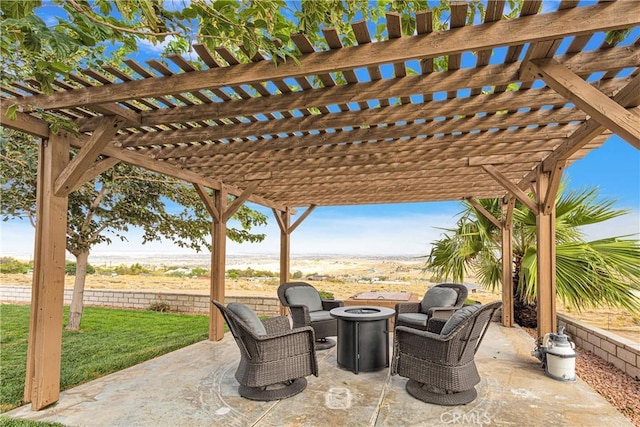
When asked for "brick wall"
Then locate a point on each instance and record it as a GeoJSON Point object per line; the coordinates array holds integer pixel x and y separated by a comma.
{"type": "Point", "coordinates": [619, 351]}
{"type": "Point", "coordinates": [179, 302]}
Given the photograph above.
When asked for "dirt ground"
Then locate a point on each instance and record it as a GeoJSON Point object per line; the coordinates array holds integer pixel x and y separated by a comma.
{"type": "Point", "coordinates": [347, 278]}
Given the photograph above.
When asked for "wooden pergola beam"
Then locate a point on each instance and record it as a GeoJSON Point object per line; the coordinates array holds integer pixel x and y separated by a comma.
{"type": "Point", "coordinates": [600, 107]}
{"type": "Point", "coordinates": [165, 168]}
{"type": "Point", "coordinates": [534, 99]}
{"type": "Point", "coordinates": [527, 29]}
{"type": "Point", "coordinates": [583, 63]}
{"type": "Point", "coordinates": [23, 122]}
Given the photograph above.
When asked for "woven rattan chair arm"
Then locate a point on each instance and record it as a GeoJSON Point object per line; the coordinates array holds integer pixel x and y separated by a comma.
{"type": "Point", "coordinates": [435, 325]}
{"type": "Point", "coordinates": [300, 314]}
{"type": "Point", "coordinates": [426, 335]}
{"type": "Point", "coordinates": [276, 324]}
{"type": "Point", "coordinates": [408, 307]}
{"type": "Point", "coordinates": [286, 344]}
{"type": "Point", "coordinates": [441, 312]}
{"type": "Point", "coordinates": [330, 304]}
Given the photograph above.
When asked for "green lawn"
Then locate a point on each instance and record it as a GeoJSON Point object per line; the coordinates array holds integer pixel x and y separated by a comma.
{"type": "Point", "coordinates": [110, 340]}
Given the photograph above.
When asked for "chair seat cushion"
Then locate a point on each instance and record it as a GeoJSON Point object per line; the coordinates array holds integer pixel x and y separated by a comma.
{"type": "Point", "coordinates": [438, 297]}
{"type": "Point", "coordinates": [318, 316]}
{"type": "Point", "coordinates": [418, 319]}
{"type": "Point", "coordinates": [249, 317]}
{"type": "Point", "coordinates": [304, 295]}
{"type": "Point", "coordinates": [459, 317]}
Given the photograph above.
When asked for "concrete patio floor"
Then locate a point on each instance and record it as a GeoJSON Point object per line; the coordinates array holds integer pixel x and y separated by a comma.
{"type": "Point", "coordinates": [195, 386]}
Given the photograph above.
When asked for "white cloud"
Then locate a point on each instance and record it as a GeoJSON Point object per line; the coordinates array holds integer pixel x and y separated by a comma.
{"type": "Point", "coordinates": [620, 226]}
{"type": "Point", "coordinates": [147, 46]}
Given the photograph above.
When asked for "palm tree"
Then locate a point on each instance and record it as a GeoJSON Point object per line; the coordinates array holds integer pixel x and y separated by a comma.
{"type": "Point", "coordinates": [593, 274]}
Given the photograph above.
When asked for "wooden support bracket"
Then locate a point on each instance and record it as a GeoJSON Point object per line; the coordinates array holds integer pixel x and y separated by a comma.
{"type": "Point", "coordinates": [599, 106]}
{"type": "Point", "coordinates": [70, 176]}
{"type": "Point", "coordinates": [548, 200]}
{"type": "Point", "coordinates": [511, 187]}
{"type": "Point", "coordinates": [96, 169]}
{"type": "Point", "coordinates": [235, 205]}
{"type": "Point", "coordinates": [208, 201]}
{"type": "Point", "coordinates": [484, 212]}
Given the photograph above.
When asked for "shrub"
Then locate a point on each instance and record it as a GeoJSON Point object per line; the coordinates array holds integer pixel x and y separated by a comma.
{"type": "Point", "coordinates": [160, 306]}
{"type": "Point", "coordinates": [326, 295]}
{"type": "Point", "coordinates": [235, 273]}
{"type": "Point", "coordinates": [297, 275]}
{"type": "Point", "coordinates": [11, 265]}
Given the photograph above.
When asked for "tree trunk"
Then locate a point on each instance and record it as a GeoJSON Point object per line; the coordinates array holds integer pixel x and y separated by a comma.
{"type": "Point", "coordinates": [75, 312]}
{"type": "Point", "coordinates": [524, 314]}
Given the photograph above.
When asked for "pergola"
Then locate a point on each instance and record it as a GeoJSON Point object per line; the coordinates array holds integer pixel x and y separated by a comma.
{"type": "Point", "coordinates": [345, 126]}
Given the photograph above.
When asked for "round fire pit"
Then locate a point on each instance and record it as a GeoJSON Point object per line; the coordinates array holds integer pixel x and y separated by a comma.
{"type": "Point", "coordinates": [363, 337]}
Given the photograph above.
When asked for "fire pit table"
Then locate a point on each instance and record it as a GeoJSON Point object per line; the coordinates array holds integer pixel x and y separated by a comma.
{"type": "Point", "coordinates": [363, 337]}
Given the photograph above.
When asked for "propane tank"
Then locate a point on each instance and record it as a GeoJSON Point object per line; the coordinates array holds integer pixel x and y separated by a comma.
{"type": "Point", "coordinates": [558, 356]}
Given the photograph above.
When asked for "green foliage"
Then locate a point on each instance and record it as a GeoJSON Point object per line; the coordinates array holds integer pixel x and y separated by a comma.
{"type": "Point", "coordinates": [234, 273]}
{"type": "Point", "coordinates": [103, 32]}
{"type": "Point", "coordinates": [133, 269]}
{"type": "Point", "coordinates": [11, 265]}
{"type": "Point", "coordinates": [326, 295]}
{"type": "Point", "coordinates": [120, 198]}
{"type": "Point", "coordinates": [70, 268]}
{"type": "Point", "coordinates": [599, 273]}
{"type": "Point", "coordinates": [110, 340]}
{"type": "Point", "coordinates": [297, 275]}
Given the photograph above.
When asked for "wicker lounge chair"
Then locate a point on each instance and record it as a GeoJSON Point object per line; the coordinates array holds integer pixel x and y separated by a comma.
{"type": "Point", "coordinates": [440, 363]}
{"type": "Point", "coordinates": [274, 359]}
{"type": "Point", "coordinates": [309, 309]}
{"type": "Point", "coordinates": [440, 301]}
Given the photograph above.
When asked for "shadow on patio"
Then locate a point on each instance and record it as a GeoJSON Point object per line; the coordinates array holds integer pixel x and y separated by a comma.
{"type": "Point", "coordinates": [195, 386]}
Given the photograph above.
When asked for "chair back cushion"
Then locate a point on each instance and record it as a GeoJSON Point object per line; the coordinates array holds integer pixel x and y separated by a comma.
{"type": "Point", "coordinates": [249, 317]}
{"type": "Point", "coordinates": [304, 295]}
{"type": "Point", "coordinates": [438, 297]}
{"type": "Point", "coordinates": [459, 317]}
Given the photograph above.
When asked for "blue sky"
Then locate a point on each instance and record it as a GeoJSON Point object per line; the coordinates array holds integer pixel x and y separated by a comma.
{"type": "Point", "coordinates": [391, 229]}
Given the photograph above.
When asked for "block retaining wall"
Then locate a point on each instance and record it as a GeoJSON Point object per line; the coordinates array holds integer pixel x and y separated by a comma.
{"type": "Point", "coordinates": [621, 352]}
{"type": "Point", "coordinates": [179, 302]}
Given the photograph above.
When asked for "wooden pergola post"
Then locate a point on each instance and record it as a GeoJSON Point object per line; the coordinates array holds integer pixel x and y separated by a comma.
{"type": "Point", "coordinates": [218, 263]}
{"type": "Point", "coordinates": [507, 261]}
{"type": "Point", "coordinates": [221, 211]}
{"type": "Point", "coordinates": [285, 250]}
{"type": "Point", "coordinates": [546, 189]}
{"type": "Point", "coordinates": [283, 218]}
{"type": "Point", "coordinates": [42, 382]}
